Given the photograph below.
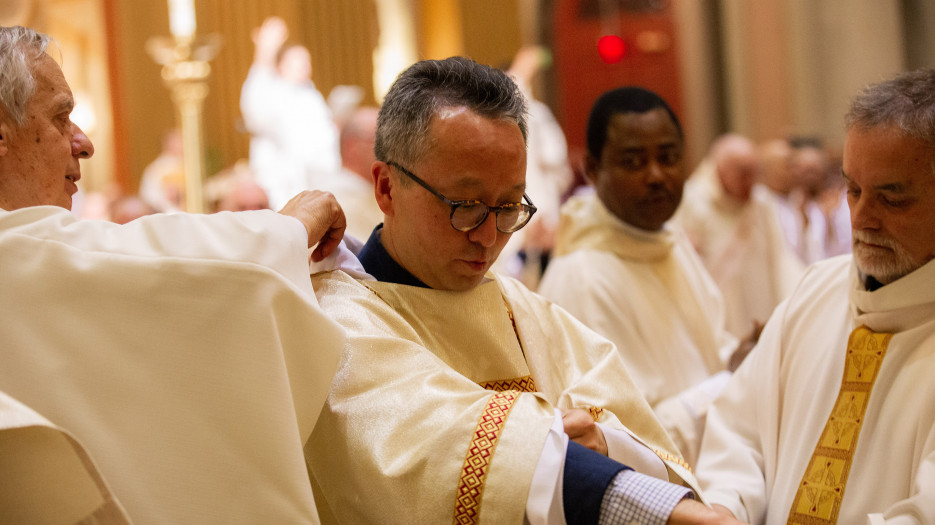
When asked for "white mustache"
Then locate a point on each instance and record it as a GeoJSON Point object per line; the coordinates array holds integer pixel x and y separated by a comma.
{"type": "Point", "coordinates": [873, 238]}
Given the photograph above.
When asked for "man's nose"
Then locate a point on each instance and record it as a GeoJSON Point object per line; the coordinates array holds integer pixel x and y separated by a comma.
{"type": "Point", "coordinates": [81, 146]}
{"type": "Point", "coordinates": [655, 173]}
{"type": "Point", "coordinates": [486, 233]}
{"type": "Point", "coordinates": [863, 213]}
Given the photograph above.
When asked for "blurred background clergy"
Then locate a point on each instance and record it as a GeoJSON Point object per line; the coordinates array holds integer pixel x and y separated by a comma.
{"type": "Point", "coordinates": [711, 59]}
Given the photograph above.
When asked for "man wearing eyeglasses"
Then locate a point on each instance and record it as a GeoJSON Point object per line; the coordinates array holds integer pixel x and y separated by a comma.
{"type": "Point", "coordinates": [462, 396]}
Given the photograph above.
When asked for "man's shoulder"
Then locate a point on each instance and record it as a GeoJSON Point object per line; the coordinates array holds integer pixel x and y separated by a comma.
{"type": "Point", "coordinates": [337, 281]}
{"type": "Point", "coordinates": [527, 303]}
{"type": "Point", "coordinates": [828, 273]}
{"type": "Point", "coordinates": [511, 286]}
{"type": "Point", "coordinates": [586, 269]}
{"type": "Point", "coordinates": [823, 287]}
{"type": "Point", "coordinates": [25, 220]}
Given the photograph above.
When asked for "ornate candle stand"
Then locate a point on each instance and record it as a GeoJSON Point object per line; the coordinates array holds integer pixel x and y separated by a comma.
{"type": "Point", "coordinates": [185, 71]}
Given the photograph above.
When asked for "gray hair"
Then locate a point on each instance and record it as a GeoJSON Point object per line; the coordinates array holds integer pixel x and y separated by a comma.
{"type": "Point", "coordinates": [429, 86]}
{"type": "Point", "coordinates": [20, 48]}
{"type": "Point", "coordinates": [906, 101]}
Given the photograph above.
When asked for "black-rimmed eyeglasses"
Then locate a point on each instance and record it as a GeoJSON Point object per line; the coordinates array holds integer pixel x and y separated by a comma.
{"type": "Point", "coordinates": [467, 215]}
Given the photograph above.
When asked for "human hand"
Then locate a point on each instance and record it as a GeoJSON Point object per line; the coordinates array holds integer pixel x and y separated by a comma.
{"type": "Point", "coordinates": [691, 512]}
{"type": "Point", "coordinates": [581, 428]}
{"type": "Point", "coordinates": [322, 217]}
{"type": "Point", "coordinates": [745, 346]}
{"type": "Point", "coordinates": [268, 38]}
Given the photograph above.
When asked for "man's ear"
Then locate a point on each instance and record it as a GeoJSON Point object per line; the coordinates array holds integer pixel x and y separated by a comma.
{"type": "Point", "coordinates": [592, 168]}
{"type": "Point", "coordinates": [4, 133]}
{"type": "Point", "coordinates": [383, 187]}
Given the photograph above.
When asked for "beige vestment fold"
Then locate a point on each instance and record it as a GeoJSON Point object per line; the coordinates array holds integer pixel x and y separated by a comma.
{"type": "Point", "coordinates": [762, 431]}
{"type": "Point", "coordinates": [193, 379]}
{"type": "Point", "coordinates": [392, 442]}
{"type": "Point", "coordinates": [649, 293]}
{"type": "Point", "coordinates": [47, 476]}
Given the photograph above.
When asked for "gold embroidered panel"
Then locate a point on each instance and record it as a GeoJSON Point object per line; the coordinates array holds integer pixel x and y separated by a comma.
{"type": "Point", "coordinates": [821, 490]}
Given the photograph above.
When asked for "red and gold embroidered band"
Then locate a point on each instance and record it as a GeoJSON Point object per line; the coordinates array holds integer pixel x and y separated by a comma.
{"type": "Point", "coordinates": [480, 453]}
{"type": "Point", "coordinates": [596, 413]}
{"type": "Point", "coordinates": [521, 384]}
{"type": "Point", "coordinates": [819, 496]}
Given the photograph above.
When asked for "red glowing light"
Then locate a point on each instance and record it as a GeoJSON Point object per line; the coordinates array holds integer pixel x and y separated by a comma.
{"type": "Point", "coordinates": [612, 48]}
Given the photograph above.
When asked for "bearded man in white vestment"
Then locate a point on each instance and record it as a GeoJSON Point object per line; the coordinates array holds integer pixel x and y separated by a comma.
{"type": "Point", "coordinates": [626, 272]}
{"type": "Point", "coordinates": [831, 418]}
{"type": "Point", "coordinates": [182, 358]}
{"type": "Point", "coordinates": [732, 223]}
{"type": "Point", "coordinates": [463, 396]}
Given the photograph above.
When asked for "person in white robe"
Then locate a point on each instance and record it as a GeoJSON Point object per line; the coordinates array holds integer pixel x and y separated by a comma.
{"type": "Point", "coordinates": [186, 354]}
{"type": "Point", "coordinates": [462, 396]}
{"type": "Point", "coordinates": [626, 272]}
{"type": "Point", "coordinates": [294, 139]}
{"type": "Point", "coordinates": [733, 225]}
{"type": "Point", "coordinates": [830, 419]}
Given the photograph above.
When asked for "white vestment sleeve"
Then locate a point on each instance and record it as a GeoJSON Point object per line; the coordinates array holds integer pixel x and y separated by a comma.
{"type": "Point", "coordinates": [683, 415]}
{"type": "Point", "coordinates": [731, 465]}
{"type": "Point", "coordinates": [623, 448]}
{"type": "Point", "coordinates": [342, 259]}
{"type": "Point", "coordinates": [544, 504]}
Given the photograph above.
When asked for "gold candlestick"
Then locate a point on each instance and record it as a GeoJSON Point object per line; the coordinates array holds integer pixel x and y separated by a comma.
{"type": "Point", "coordinates": [185, 71]}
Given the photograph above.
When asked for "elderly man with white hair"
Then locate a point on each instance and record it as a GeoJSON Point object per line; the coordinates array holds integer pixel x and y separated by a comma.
{"type": "Point", "coordinates": [186, 354]}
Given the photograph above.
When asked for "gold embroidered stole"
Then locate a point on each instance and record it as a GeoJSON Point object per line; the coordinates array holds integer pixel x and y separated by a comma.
{"type": "Point", "coordinates": [821, 490]}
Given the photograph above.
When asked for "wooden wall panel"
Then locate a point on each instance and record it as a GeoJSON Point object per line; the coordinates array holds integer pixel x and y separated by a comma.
{"type": "Point", "coordinates": [491, 30]}
{"type": "Point", "coordinates": [341, 37]}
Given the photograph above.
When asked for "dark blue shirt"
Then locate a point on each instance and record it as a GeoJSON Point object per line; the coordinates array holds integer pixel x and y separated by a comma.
{"type": "Point", "coordinates": [378, 262]}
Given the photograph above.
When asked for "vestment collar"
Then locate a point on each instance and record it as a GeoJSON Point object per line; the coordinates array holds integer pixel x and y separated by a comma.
{"type": "Point", "coordinates": [587, 224]}
{"type": "Point", "coordinates": [897, 306]}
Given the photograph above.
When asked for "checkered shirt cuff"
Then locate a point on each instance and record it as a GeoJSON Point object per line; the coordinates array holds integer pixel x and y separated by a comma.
{"type": "Point", "coordinates": [634, 498]}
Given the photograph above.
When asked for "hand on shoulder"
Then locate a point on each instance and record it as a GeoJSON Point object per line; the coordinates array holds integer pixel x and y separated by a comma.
{"type": "Point", "coordinates": [322, 217]}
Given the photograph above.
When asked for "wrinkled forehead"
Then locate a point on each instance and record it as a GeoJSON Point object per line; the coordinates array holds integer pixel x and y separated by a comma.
{"type": "Point", "coordinates": [50, 80]}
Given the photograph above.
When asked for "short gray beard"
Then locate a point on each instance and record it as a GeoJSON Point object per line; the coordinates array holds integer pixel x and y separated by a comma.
{"type": "Point", "coordinates": [884, 268]}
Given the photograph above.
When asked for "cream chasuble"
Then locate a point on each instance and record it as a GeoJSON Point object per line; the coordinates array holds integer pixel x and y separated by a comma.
{"type": "Point", "coordinates": [409, 435]}
{"type": "Point", "coordinates": [649, 293]}
{"type": "Point", "coordinates": [762, 432]}
{"type": "Point", "coordinates": [192, 379]}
